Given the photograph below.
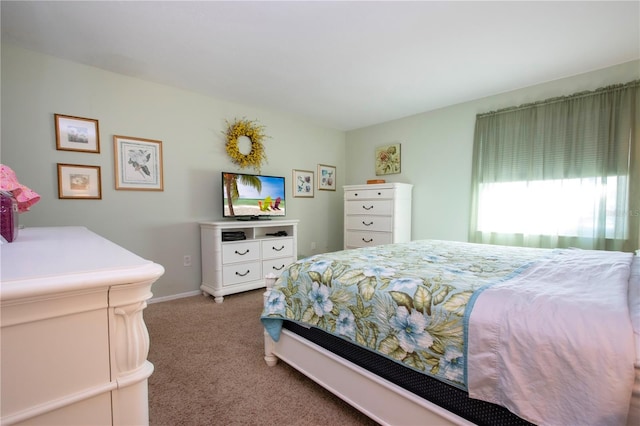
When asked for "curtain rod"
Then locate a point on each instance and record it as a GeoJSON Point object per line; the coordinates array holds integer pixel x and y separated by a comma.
{"type": "Point", "coordinates": [611, 88]}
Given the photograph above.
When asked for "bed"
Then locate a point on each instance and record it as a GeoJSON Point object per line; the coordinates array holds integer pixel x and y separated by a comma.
{"type": "Point", "coordinates": [442, 332]}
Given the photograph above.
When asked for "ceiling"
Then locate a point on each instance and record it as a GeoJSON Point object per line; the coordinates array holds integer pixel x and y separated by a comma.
{"type": "Point", "coordinates": [344, 64]}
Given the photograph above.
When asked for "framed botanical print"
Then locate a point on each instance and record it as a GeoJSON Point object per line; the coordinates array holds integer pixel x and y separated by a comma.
{"type": "Point", "coordinates": [77, 134]}
{"type": "Point", "coordinates": [326, 177]}
{"type": "Point", "coordinates": [303, 183]}
{"type": "Point", "coordinates": [388, 159]}
{"type": "Point", "coordinates": [76, 181]}
{"type": "Point", "coordinates": [138, 163]}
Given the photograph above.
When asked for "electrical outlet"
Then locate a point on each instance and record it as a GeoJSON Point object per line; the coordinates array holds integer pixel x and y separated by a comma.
{"type": "Point", "coordinates": [313, 245]}
{"type": "Point", "coordinates": [187, 260]}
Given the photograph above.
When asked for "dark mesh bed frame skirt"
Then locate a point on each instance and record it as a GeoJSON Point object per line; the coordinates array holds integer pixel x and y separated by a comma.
{"type": "Point", "coordinates": [446, 396]}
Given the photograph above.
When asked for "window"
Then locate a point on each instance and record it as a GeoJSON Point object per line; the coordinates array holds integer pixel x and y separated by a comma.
{"type": "Point", "coordinates": [567, 207]}
{"type": "Point", "coordinates": [559, 173]}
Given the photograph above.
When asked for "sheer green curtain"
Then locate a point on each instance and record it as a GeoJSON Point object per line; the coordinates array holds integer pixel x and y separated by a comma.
{"type": "Point", "coordinates": [560, 173]}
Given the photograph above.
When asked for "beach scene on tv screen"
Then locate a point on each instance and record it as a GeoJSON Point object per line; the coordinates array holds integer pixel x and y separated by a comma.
{"type": "Point", "coordinates": [265, 198]}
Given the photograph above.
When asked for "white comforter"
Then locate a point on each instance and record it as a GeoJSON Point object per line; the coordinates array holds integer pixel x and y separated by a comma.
{"type": "Point", "coordinates": [555, 345]}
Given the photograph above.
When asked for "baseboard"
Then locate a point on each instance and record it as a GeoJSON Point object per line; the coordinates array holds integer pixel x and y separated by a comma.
{"type": "Point", "coordinates": [174, 296]}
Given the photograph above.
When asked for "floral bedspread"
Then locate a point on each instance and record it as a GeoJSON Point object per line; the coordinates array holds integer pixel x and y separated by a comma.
{"type": "Point", "coordinates": [408, 302]}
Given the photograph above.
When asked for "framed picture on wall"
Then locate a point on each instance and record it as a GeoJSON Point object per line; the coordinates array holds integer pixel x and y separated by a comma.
{"type": "Point", "coordinates": [303, 183]}
{"type": "Point", "coordinates": [77, 134]}
{"type": "Point", "coordinates": [76, 181]}
{"type": "Point", "coordinates": [138, 163]}
{"type": "Point", "coordinates": [326, 177]}
{"type": "Point", "coordinates": [388, 159]}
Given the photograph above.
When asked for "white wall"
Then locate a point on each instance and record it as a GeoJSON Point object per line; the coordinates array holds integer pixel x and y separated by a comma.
{"type": "Point", "coordinates": [161, 226]}
{"type": "Point", "coordinates": [437, 149]}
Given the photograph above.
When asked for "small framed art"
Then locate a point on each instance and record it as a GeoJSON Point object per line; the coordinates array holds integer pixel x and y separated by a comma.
{"type": "Point", "coordinates": [388, 159]}
{"type": "Point", "coordinates": [79, 182]}
{"type": "Point", "coordinates": [303, 183]}
{"type": "Point", "coordinates": [138, 163]}
{"type": "Point", "coordinates": [77, 134]}
{"type": "Point", "coordinates": [326, 177]}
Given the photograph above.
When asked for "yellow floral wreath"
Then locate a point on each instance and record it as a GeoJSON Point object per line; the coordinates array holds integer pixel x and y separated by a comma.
{"type": "Point", "coordinates": [255, 133]}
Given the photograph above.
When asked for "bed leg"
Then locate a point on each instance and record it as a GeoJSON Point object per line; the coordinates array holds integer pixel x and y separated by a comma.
{"type": "Point", "coordinates": [269, 358]}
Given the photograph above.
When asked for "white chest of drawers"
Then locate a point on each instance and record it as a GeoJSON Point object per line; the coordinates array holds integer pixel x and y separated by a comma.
{"type": "Point", "coordinates": [234, 266]}
{"type": "Point", "coordinates": [377, 214]}
{"type": "Point", "coordinates": [74, 343]}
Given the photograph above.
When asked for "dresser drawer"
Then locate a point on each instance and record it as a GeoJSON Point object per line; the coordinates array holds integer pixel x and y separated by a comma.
{"type": "Point", "coordinates": [241, 272]}
{"type": "Point", "coordinates": [281, 247]}
{"type": "Point", "coordinates": [276, 266]}
{"type": "Point", "coordinates": [366, 239]}
{"type": "Point", "coordinates": [369, 194]}
{"type": "Point", "coordinates": [376, 207]}
{"type": "Point", "coordinates": [240, 252]}
{"type": "Point", "coordinates": [370, 223]}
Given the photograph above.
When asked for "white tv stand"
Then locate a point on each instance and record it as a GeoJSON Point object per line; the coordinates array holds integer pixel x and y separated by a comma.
{"type": "Point", "coordinates": [234, 266]}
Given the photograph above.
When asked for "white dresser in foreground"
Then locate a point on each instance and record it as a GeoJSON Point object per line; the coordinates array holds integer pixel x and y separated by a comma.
{"type": "Point", "coordinates": [234, 266]}
{"type": "Point", "coordinates": [377, 214]}
{"type": "Point", "coordinates": [74, 343]}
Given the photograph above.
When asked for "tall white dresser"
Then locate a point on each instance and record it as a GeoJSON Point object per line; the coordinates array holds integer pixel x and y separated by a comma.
{"type": "Point", "coordinates": [377, 214]}
{"type": "Point", "coordinates": [74, 343]}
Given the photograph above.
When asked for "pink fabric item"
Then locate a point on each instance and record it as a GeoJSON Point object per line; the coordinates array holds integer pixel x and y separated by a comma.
{"type": "Point", "coordinates": [23, 195]}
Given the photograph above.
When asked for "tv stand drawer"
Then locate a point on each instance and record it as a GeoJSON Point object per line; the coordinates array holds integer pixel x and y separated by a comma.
{"type": "Point", "coordinates": [276, 266]}
{"type": "Point", "coordinates": [240, 252]}
{"type": "Point", "coordinates": [241, 272]}
{"type": "Point", "coordinates": [277, 247]}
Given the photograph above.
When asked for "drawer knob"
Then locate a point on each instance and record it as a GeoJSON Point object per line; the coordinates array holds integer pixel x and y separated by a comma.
{"type": "Point", "coordinates": [355, 194]}
{"type": "Point", "coordinates": [367, 241]}
{"type": "Point", "coordinates": [367, 208]}
{"type": "Point", "coordinates": [242, 275]}
{"type": "Point", "coordinates": [278, 269]}
{"type": "Point", "coordinates": [277, 249]}
{"type": "Point", "coordinates": [367, 224]}
{"type": "Point", "coordinates": [242, 254]}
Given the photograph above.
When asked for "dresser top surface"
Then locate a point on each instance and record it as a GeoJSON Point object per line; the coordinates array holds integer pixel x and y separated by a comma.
{"type": "Point", "coordinates": [386, 185]}
{"type": "Point", "coordinates": [42, 252]}
{"type": "Point", "coordinates": [249, 223]}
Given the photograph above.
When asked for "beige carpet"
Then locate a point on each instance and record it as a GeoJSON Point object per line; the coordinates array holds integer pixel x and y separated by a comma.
{"type": "Point", "coordinates": [209, 370]}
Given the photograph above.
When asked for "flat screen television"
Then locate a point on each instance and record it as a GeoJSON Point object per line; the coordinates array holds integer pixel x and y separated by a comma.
{"type": "Point", "coordinates": [252, 197]}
